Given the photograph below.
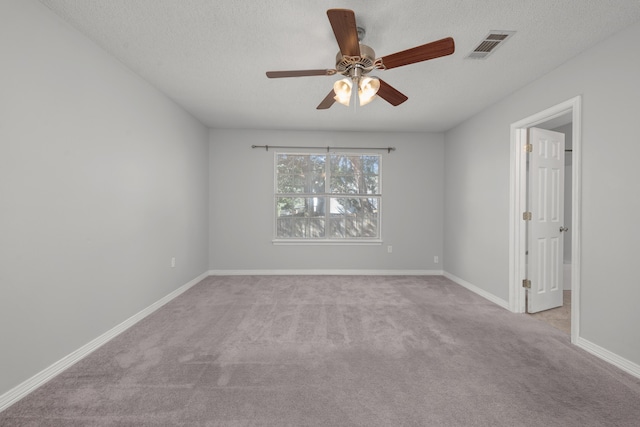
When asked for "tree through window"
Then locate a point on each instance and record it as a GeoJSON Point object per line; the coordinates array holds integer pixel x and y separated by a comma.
{"type": "Point", "coordinates": [333, 196]}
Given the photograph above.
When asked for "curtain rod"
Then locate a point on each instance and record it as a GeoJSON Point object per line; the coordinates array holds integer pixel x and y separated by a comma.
{"type": "Point", "coordinates": [266, 147]}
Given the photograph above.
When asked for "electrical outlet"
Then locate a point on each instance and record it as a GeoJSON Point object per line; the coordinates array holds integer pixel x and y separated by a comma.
{"type": "Point", "coordinates": [389, 249]}
{"type": "Point", "coordinates": [436, 259]}
{"type": "Point", "coordinates": [173, 262]}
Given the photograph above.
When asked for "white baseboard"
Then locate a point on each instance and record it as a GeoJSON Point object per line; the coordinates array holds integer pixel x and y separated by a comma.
{"type": "Point", "coordinates": [21, 390]}
{"type": "Point", "coordinates": [325, 272]}
{"type": "Point", "coordinates": [610, 357]}
{"type": "Point", "coordinates": [473, 288]}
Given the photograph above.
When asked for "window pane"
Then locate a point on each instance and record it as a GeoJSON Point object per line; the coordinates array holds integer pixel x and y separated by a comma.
{"type": "Point", "coordinates": [316, 227]}
{"type": "Point", "coordinates": [336, 227]}
{"type": "Point", "coordinates": [316, 174]}
{"type": "Point", "coordinates": [370, 165]}
{"type": "Point", "coordinates": [354, 174]}
{"type": "Point", "coordinates": [290, 206]}
{"type": "Point", "coordinates": [300, 217]}
{"type": "Point", "coordinates": [371, 184]}
{"type": "Point", "coordinates": [300, 227]}
{"type": "Point", "coordinates": [343, 176]}
{"type": "Point", "coordinates": [300, 173]}
{"type": "Point", "coordinates": [354, 217]}
{"type": "Point", "coordinates": [289, 183]}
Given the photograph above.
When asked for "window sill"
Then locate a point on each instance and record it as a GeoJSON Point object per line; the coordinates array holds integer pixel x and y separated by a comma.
{"type": "Point", "coordinates": [309, 242]}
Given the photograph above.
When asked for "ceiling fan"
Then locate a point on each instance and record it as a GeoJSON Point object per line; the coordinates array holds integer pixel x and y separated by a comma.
{"type": "Point", "coordinates": [356, 61]}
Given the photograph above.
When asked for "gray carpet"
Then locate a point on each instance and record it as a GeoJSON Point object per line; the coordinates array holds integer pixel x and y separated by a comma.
{"type": "Point", "coordinates": [334, 351]}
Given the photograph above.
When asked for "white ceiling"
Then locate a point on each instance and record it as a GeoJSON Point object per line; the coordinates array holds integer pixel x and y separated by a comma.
{"type": "Point", "coordinates": [210, 56]}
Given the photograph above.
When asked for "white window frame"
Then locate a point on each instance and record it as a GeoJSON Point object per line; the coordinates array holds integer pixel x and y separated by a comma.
{"type": "Point", "coordinates": [327, 241]}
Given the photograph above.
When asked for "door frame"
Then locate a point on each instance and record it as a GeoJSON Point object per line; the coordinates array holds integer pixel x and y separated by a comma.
{"type": "Point", "coordinates": [518, 203]}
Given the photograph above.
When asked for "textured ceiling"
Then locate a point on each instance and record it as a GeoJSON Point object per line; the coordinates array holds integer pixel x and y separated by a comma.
{"type": "Point", "coordinates": [210, 56]}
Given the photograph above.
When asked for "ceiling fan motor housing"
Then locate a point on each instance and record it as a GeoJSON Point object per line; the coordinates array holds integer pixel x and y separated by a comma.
{"type": "Point", "coordinates": [365, 62]}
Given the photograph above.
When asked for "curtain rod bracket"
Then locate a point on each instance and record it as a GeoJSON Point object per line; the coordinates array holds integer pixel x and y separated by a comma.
{"type": "Point", "coordinates": [266, 147]}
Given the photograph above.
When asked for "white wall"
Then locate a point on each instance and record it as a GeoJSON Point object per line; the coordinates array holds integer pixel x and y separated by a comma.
{"type": "Point", "coordinates": [102, 181]}
{"type": "Point", "coordinates": [242, 211]}
{"type": "Point", "coordinates": [477, 186]}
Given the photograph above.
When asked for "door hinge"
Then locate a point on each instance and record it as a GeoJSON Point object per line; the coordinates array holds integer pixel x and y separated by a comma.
{"type": "Point", "coordinates": [526, 283]}
{"type": "Point", "coordinates": [526, 216]}
{"type": "Point", "coordinates": [528, 148]}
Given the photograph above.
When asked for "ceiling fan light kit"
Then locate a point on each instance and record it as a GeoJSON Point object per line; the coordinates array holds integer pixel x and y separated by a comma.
{"type": "Point", "coordinates": [356, 60]}
{"type": "Point", "coordinates": [367, 89]}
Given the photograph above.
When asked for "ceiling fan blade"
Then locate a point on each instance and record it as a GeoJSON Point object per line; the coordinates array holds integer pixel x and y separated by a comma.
{"type": "Point", "coordinates": [327, 102]}
{"type": "Point", "coordinates": [425, 52]}
{"type": "Point", "coordinates": [390, 94]}
{"type": "Point", "coordinates": [343, 22]}
{"type": "Point", "coordinates": [299, 73]}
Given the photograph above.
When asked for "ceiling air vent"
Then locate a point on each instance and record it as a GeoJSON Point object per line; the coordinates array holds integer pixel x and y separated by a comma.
{"type": "Point", "coordinates": [490, 43]}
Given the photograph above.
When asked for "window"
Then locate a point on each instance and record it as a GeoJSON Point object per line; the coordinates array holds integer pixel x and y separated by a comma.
{"type": "Point", "coordinates": [332, 197]}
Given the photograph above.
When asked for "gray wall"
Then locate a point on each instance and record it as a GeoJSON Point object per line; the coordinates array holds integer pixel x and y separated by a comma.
{"type": "Point", "coordinates": [477, 188]}
{"type": "Point", "coordinates": [102, 181]}
{"type": "Point", "coordinates": [476, 205]}
{"type": "Point", "coordinates": [242, 211]}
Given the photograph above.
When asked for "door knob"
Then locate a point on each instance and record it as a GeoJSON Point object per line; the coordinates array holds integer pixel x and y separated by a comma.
{"type": "Point", "coordinates": [563, 229]}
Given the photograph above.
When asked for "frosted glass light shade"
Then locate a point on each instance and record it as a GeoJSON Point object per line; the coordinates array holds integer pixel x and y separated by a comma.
{"type": "Point", "coordinates": [342, 89]}
{"type": "Point", "coordinates": [367, 89]}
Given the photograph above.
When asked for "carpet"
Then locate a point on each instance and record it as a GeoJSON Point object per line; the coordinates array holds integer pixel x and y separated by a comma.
{"type": "Point", "coordinates": [334, 351]}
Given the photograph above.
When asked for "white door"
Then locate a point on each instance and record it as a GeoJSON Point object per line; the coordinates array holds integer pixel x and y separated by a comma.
{"type": "Point", "coordinates": [545, 231]}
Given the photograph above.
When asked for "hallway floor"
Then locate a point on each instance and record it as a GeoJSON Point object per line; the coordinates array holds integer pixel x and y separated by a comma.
{"type": "Point", "coordinates": [560, 317]}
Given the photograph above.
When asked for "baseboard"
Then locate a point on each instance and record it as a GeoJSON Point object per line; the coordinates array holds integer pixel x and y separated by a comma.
{"type": "Point", "coordinates": [610, 357]}
{"type": "Point", "coordinates": [21, 390]}
{"type": "Point", "coordinates": [473, 288]}
{"type": "Point", "coordinates": [325, 272]}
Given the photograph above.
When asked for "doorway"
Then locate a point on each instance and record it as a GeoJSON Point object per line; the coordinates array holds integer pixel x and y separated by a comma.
{"type": "Point", "coordinates": [549, 243]}
{"type": "Point", "coordinates": [569, 112]}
